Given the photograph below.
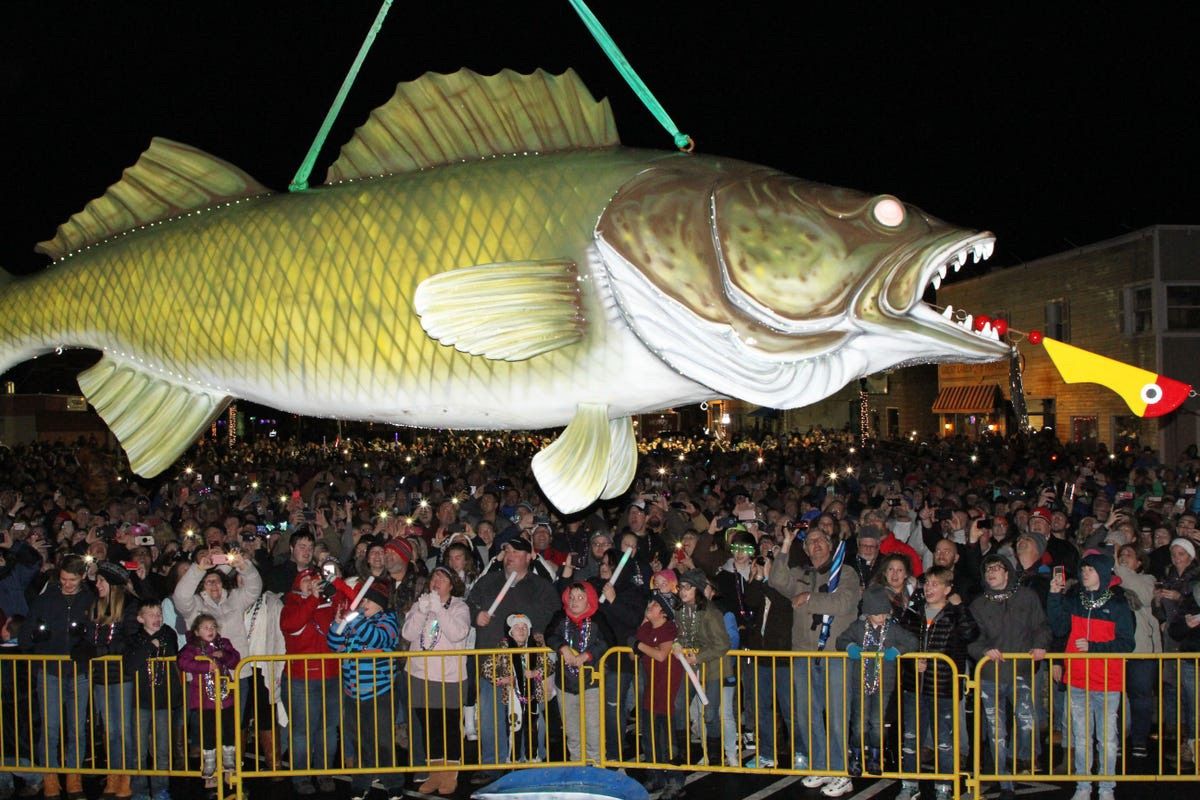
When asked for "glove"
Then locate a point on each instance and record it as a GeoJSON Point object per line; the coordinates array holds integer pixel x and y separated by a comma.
{"type": "Point", "coordinates": [854, 652]}
{"type": "Point", "coordinates": [327, 590]}
{"type": "Point", "coordinates": [632, 643]}
{"type": "Point", "coordinates": [891, 654]}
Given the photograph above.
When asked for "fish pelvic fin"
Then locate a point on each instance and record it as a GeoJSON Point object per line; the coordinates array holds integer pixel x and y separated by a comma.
{"type": "Point", "coordinates": [510, 312]}
{"type": "Point", "coordinates": [592, 459]}
{"type": "Point", "coordinates": [154, 419]}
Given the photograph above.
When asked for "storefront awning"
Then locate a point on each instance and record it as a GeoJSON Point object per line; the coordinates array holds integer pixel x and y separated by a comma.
{"type": "Point", "coordinates": [980, 399]}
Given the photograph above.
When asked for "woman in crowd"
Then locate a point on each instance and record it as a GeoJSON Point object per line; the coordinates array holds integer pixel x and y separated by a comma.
{"type": "Point", "coordinates": [439, 620]}
{"type": "Point", "coordinates": [1140, 674]}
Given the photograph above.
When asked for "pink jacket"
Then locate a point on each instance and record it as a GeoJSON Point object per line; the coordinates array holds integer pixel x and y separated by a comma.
{"type": "Point", "coordinates": [453, 625]}
{"type": "Point", "coordinates": [202, 691]}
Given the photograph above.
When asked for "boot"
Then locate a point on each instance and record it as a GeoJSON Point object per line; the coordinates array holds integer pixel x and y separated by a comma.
{"type": "Point", "coordinates": [110, 792]}
{"type": "Point", "coordinates": [435, 779]}
{"type": "Point", "coordinates": [123, 788]}
{"type": "Point", "coordinates": [74, 786]}
{"type": "Point", "coordinates": [266, 748]}
{"type": "Point", "coordinates": [51, 788]}
{"type": "Point", "coordinates": [208, 764]}
{"type": "Point", "coordinates": [854, 764]}
{"type": "Point", "coordinates": [449, 781]}
{"type": "Point", "coordinates": [229, 757]}
{"type": "Point", "coordinates": [873, 765]}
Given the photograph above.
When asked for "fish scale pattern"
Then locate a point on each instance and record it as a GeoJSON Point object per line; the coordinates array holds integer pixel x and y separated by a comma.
{"type": "Point", "coordinates": [303, 301]}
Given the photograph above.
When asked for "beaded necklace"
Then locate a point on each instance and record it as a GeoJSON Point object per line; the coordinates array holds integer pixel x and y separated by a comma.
{"type": "Point", "coordinates": [873, 639]}
{"type": "Point", "coordinates": [579, 642]}
{"type": "Point", "coordinates": [1092, 603]}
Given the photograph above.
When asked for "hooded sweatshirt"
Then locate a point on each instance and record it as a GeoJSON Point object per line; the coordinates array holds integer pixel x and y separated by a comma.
{"type": "Point", "coordinates": [586, 633]}
{"type": "Point", "coordinates": [1104, 619]}
{"type": "Point", "coordinates": [1010, 619]}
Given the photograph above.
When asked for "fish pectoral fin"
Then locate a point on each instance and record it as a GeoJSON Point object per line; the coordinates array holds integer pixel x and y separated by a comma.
{"type": "Point", "coordinates": [622, 458]}
{"type": "Point", "coordinates": [593, 458]}
{"type": "Point", "coordinates": [509, 311]}
{"type": "Point", "coordinates": [154, 419]}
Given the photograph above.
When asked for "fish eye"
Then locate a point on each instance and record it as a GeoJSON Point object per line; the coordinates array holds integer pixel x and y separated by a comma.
{"type": "Point", "coordinates": [1151, 393]}
{"type": "Point", "coordinates": [889, 211]}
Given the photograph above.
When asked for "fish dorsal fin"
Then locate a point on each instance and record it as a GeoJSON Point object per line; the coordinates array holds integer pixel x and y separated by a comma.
{"type": "Point", "coordinates": [154, 419]}
{"type": "Point", "coordinates": [168, 179]}
{"type": "Point", "coordinates": [442, 119]}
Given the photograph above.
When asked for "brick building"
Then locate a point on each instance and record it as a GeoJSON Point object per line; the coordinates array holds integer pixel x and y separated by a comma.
{"type": "Point", "coordinates": [1135, 298]}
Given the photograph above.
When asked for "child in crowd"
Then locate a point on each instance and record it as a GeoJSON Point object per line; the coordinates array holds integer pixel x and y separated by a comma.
{"type": "Point", "coordinates": [943, 628]}
{"type": "Point", "coordinates": [661, 675]}
{"type": "Point", "coordinates": [525, 679]}
{"type": "Point", "coordinates": [872, 681]}
{"type": "Point", "coordinates": [208, 688]}
{"type": "Point", "coordinates": [158, 693]}
{"type": "Point", "coordinates": [368, 705]}
{"type": "Point", "coordinates": [580, 638]}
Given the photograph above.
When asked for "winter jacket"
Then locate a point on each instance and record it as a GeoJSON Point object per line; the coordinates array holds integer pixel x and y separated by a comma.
{"type": "Point", "coordinates": [1010, 620]}
{"type": "Point", "coordinates": [367, 678]}
{"type": "Point", "coordinates": [702, 631]}
{"type": "Point", "coordinates": [1108, 628]}
{"type": "Point", "coordinates": [109, 639]}
{"type": "Point", "coordinates": [773, 630]}
{"type": "Point", "coordinates": [623, 615]}
{"type": "Point", "coordinates": [856, 635]}
{"type": "Point", "coordinates": [57, 623]}
{"type": "Point", "coordinates": [532, 595]}
{"type": "Point", "coordinates": [588, 634]}
{"type": "Point", "coordinates": [21, 565]}
{"type": "Point", "coordinates": [950, 632]}
{"type": "Point", "coordinates": [265, 638]}
{"type": "Point", "coordinates": [1188, 638]}
{"type": "Point", "coordinates": [305, 624]}
{"type": "Point", "coordinates": [453, 625]}
{"type": "Point", "coordinates": [1139, 593]}
{"type": "Point", "coordinates": [841, 604]}
{"type": "Point", "coordinates": [157, 684]}
{"type": "Point", "coordinates": [229, 610]}
{"type": "Point", "coordinates": [202, 684]}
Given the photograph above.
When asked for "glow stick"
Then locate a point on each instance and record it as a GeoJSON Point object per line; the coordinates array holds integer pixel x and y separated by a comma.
{"type": "Point", "coordinates": [512, 578]}
{"type": "Point", "coordinates": [617, 572]}
{"type": "Point", "coordinates": [354, 604]}
{"type": "Point", "coordinates": [691, 673]}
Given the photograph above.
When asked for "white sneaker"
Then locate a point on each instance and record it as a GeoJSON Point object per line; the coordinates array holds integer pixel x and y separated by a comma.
{"type": "Point", "coordinates": [813, 781]}
{"type": "Point", "coordinates": [838, 787]}
{"type": "Point", "coordinates": [1105, 794]}
{"type": "Point", "coordinates": [761, 762]}
{"type": "Point", "coordinates": [1082, 794]}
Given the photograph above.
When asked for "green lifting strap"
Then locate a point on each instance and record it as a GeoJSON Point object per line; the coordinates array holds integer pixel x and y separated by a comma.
{"type": "Point", "coordinates": [682, 140]}
{"type": "Point", "coordinates": [300, 181]}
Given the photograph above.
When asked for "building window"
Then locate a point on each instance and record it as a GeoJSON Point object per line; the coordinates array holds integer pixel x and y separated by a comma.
{"type": "Point", "coordinates": [1085, 429]}
{"type": "Point", "coordinates": [1058, 322]}
{"type": "Point", "coordinates": [893, 423]}
{"type": "Point", "coordinates": [1126, 430]}
{"type": "Point", "coordinates": [1041, 414]}
{"type": "Point", "coordinates": [1183, 308]}
{"type": "Point", "coordinates": [1137, 309]}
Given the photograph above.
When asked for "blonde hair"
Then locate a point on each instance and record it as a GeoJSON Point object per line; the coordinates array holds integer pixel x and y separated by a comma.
{"type": "Point", "coordinates": [109, 610]}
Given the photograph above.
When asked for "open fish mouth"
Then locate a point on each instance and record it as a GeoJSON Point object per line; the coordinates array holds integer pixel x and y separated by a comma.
{"type": "Point", "coordinates": [942, 262]}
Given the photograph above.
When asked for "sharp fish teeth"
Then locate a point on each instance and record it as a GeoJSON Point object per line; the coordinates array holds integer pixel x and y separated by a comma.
{"type": "Point", "coordinates": [960, 258]}
{"type": "Point", "coordinates": [988, 248]}
{"type": "Point", "coordinates": [937, 282]}
{"type": "Point", "coordinates": [948, 312]}
{"type": "Point", "coordinates": [969, 322]}
{"type": "Point", "coordinates": [976, 252]}
{"type": "Point", "coordinates": [942, 271]}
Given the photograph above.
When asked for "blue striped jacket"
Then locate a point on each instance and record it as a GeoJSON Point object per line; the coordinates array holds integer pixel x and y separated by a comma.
{"type": "Point", "coordinates": [365, 678]}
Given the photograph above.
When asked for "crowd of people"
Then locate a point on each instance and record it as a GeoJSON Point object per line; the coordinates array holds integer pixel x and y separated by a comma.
{"type": "Point", "coordinates": [1008, 551]}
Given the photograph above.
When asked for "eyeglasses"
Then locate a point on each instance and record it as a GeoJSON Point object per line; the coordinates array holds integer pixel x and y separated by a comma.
{"type": "Point", "coordinates": [747, 549]}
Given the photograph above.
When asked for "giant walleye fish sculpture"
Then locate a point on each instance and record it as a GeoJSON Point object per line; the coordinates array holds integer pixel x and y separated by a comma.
{"type": "Point", "coordinates": [484, 254]}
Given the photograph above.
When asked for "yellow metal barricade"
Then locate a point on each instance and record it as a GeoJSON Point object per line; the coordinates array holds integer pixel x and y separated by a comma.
{"type": "Point", "coordinates": [806, 713]}
{"type": "Point", "coordinates": [59, 716]}
{"type": "Point", "coordinates": [417, 725]}
{"type": "Point", "coordinates": [1071, 717]}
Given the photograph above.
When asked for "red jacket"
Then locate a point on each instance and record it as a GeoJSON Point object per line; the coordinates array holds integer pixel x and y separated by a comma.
{"type": "Point", "coordinates": [305, 621]}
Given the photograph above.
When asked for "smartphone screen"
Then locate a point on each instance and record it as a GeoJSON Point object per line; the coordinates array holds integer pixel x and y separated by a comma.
{"type": "Point", "coordinates": [219, 558]}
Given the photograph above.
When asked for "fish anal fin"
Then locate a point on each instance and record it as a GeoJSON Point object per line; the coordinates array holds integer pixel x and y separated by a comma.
{"type": "Point", "coordinates": [510, 311]}
{"type": "Point", "coordinates": [443, 119]}
{"type": "Point", "coordinates": [155, 420]}
{"type": "Point", "coordinates": [622, 458]}
{"type": "Point", "coordinates": [573, 471]}
{"type": "Point", "coordinates": [168, 179]}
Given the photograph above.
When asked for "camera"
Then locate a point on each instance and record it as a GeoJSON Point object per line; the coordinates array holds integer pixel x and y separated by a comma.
{"type": "Point", "coordinates": [144, 541]}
